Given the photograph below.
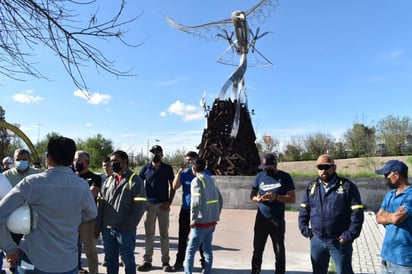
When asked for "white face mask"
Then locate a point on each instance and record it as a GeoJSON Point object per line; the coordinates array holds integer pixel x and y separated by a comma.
{"type": "Point", "coordinates": [11, 165]}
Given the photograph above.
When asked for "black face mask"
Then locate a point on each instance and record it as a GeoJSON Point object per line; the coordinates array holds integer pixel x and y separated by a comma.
{"type": "Point", "coordinates": [116, 167]}
{"type": "Point", "coordinates": [270, 172]}
{"type": "Point", "coordinates": [156, 158]}
{"type": "Point", "coordinates": [79, 167]}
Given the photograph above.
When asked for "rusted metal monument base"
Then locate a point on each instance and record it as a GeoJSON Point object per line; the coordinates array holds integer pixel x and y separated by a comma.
{"type": "Point", "coordinates": [226, 155]}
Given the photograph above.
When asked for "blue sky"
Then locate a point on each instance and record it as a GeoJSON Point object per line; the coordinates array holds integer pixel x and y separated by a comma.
{"type": "Point", "coordinates": [334, 63]}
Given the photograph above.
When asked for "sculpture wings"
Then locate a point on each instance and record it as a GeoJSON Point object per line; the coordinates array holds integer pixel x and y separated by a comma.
{"type": "Point", "coordinates": [236, 30]}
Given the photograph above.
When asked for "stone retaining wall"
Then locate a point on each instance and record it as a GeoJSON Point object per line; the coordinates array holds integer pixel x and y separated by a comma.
{"type": "Point", "coordinates": [236, 189]}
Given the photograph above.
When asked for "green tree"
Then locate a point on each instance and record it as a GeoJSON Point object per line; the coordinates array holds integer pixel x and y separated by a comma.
{"type": "Point", "coordinates": [393, 131]}
{"type": "Point", "coordinates": [317, 144]}
{"type": "Point", "coordinates": [295, 149]}
{"type": "Point", "coordinates": [361, 140]}
{"type": "Point", "coordinates": [176, 159]}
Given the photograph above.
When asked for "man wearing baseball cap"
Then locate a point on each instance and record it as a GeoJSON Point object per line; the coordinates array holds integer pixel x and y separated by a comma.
{"type": "Point", "coordinates": [158, 178]}
{"type": "Point", "coordinates": [331, 216]}
{"type": "Point", "coordinates": [395, 213]}
{"type": "Point", "coordinates": [272, 189]}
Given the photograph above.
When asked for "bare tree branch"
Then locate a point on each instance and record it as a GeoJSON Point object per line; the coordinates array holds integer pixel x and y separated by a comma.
{"type": "Point", "coordinates": [27, 24]}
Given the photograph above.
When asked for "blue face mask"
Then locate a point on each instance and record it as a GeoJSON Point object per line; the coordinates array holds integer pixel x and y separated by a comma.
{"type": "Point", "coordinates": [22, 165]}
{"type": "Point", "coordinates": [189, 166]}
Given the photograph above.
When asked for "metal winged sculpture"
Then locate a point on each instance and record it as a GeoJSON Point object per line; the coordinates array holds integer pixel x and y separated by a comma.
{"type": "Point", "coordinates": [242, 45]}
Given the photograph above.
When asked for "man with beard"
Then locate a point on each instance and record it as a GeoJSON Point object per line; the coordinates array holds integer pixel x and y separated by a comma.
{"type": "Point", "coordinates": [395, 213]}
{"type": "Point", "coordinates": [331, 215]}
{"type": "Point", "coordinates": [271, 190]}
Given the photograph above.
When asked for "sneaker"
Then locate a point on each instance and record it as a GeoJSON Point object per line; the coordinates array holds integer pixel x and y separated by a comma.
{"type": "Point", "coordinates": [178, 267]}
{"type": "Point", "coordinates": [167, 268]}
{"type": "Point", "coordinates": [145, 267]}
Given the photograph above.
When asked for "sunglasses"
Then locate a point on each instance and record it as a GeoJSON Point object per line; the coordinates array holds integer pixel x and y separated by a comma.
{"type": "Point", "coordinates": [324, 167]}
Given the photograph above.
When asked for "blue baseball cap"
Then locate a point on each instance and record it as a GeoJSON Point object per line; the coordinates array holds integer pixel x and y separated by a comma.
{"type": "Point", "coordinates": [392, 166]}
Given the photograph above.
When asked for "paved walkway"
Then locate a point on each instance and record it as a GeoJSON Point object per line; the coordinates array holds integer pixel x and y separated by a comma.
{"type": "Point", "coordinates": [232, 246]}
{"type": "Point", "coordinates": [233, 242]}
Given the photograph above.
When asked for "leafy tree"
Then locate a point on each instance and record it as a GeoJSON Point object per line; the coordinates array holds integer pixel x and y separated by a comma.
{"type": "Point", "coordinates": [292, 153]}
{"type": "Point", "coordinates": [317, 144]}
{"type": "Point", "coordinates": [176, 159]}
{"type": "Point", "coordinates": [54, 24]}
{"type": "Point", "coordinates": [394, 132]}
{"type": "Point", "coordinates": [98, 147]}
{"type": "Point", "coordinates": [295, 149]}
{"type": "Point", "coordinates": [361, 140]}
{"type": "Point", "coordinates": [340, 151]}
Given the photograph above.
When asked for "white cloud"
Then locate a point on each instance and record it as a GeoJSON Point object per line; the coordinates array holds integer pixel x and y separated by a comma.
{"type": "Point", "coordinates": [163, 114]}
{"type": "Point", "coordinates": [26, 97]}
{"type": "Point", "coordinates": [188, 112]}
{"type": "Point", "coordinates": [88, 124]}
{"type": "Point", "coordinates": [94, 98]}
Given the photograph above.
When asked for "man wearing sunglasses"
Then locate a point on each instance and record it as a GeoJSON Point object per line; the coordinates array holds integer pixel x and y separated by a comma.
{"type": "Point", "coordinates": [331, 215]}
{"type": "Point", "coordinates": [395, 213]}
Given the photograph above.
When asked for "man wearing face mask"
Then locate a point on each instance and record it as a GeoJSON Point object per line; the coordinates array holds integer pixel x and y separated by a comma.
{"type": "Point", "coordinates": [271, 190]}
{"type": "Point", "coordinates": [21, 167]}
{"type": "Point", "coordinates": [158, 178]}
{"type": "Point", "coordinates": [395, 213]}
{"type": "Point", "coordinates": [81, 165]}
{"type": "Point", "coordinates": [120, 208]}
{"type": "Point", "coordinates": [21, 170]}
{"type": "Point", "coordinates": [331, 216]}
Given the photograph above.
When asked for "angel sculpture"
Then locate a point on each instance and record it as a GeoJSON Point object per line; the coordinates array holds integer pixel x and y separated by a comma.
{"type": "Point", "coordinates": [242, 46]}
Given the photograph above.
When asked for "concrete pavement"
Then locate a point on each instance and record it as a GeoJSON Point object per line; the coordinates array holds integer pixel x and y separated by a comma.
{"type": "Point", "coordinates": [232, 245]}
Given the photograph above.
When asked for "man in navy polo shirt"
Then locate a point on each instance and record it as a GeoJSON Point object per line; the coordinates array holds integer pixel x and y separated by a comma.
{"type": "Point", "coordinates": [158, 177]}
{"type": "Point", "coordinates": [271, 190]}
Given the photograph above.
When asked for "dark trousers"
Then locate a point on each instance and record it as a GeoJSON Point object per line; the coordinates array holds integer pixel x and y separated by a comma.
{"type": "Point", "coordinates": [276, 230]}
{"type": "Point", "coordinates": [184, 230]}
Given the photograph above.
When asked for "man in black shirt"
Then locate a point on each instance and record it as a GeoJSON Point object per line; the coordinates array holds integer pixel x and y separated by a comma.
{"type": "Point", "coordinates": [81, 165]}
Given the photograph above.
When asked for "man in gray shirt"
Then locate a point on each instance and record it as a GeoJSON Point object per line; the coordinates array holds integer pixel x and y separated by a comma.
{"type": "Point", "coordinates": [62, 201]}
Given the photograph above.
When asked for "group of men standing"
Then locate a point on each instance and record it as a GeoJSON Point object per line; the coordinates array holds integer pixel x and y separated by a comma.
{"type": "Point", "coordinates": [331, 215]}
{"type": "Point", "coordinates": [70, 214]}
{"type": "Point", "coordinates": [69, 217]}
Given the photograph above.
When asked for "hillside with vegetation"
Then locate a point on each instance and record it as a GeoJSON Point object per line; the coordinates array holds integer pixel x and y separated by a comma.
{"type": "Point", "coordinates": [353, 167]}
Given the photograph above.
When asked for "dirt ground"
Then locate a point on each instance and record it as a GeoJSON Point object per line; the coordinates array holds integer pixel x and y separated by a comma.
{"type": "Point", "coordinates": [344, 166]}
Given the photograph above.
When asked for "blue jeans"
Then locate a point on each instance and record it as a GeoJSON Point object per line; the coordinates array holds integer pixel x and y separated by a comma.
{"type": "Point", "coordinates": [322, 249]}
{"type": "Point", "coordinates": [390, 268]}
{"type": "Point", "coordinates": [198, 236]}
{"type": "Point", "coordinates": [115, 242]}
